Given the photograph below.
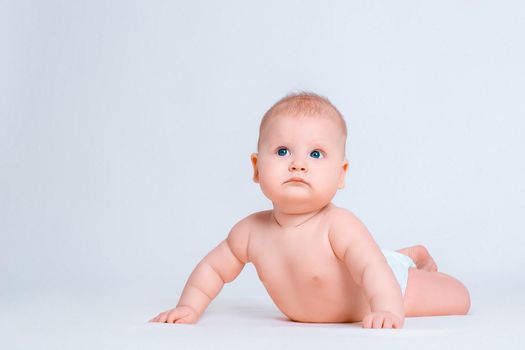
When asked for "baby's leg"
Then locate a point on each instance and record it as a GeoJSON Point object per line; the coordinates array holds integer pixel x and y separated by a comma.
{"type": "Point", "coordinates": [421, 257]}
{"type": "Point", "coordinates": [431, 293]}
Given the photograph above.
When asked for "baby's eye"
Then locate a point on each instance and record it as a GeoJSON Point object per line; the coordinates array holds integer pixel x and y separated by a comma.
{"type": "Point", "coordinates": [282, 151]}
{"type": "Point", "coordinates": [316, 154]}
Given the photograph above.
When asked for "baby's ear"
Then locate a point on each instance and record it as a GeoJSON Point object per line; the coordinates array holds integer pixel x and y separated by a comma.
{"type": "Point", "coordinates": [343, 174]}
{"type": "Point", "coordinates": [255, 170]}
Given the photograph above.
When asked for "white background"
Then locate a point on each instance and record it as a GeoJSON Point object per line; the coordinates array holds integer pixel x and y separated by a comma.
{"type": "Point", "coordinates": [126, 129]}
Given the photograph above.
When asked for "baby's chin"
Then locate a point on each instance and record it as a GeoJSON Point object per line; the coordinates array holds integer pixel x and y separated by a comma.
{"type": "Point", "coordinates": [299, 204]}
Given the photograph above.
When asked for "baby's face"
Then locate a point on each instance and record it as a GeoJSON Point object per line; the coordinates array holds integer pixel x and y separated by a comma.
{"type": "Point", "coordinates": [309, 148]}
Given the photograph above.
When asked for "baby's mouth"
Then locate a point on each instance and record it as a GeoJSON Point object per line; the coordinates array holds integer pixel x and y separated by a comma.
{"type": "Point", "coordinates": [296, 180]}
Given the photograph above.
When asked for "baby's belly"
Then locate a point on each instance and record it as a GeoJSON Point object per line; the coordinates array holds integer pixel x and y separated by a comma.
{"type": "Point", "coordinates": [326, 294]}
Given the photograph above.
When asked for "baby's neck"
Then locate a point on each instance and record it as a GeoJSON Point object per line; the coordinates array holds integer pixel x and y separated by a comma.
{"type": "Point", "coordinates": [286, 220]}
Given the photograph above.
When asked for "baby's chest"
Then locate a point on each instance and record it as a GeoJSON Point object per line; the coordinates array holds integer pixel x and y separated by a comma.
{"type": "Point", "coordinates": [293, 257]}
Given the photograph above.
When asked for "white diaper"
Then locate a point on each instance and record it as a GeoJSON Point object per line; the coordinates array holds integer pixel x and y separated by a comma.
{"type": "Point", "coordinates": [399, 263]}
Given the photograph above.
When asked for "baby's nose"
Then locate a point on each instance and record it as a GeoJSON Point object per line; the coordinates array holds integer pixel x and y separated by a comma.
{"type": "Point", "coordinates": [297, 167]}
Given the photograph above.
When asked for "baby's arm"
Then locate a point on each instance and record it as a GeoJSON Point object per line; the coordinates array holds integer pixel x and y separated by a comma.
{"type": "Point", "coordinates": [353, 244]}
{"type": "Point", "coordinates": [222, 265]}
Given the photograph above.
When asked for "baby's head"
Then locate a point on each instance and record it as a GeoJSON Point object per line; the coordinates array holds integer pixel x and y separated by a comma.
{"type": "Point", "coordinates": [304, 105]}
{"type": "Point", "coordinates": [303, 135]}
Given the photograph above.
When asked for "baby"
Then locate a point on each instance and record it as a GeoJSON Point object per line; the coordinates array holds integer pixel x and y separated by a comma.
{"type": "Point", "coordinates": [318, 262]}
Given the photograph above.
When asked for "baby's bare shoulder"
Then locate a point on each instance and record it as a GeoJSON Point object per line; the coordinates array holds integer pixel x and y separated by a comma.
{"type": "Point", "coordinates": [239, 236]}
{"type": "Point", "coordinates": [345, 228]}
{"type": "Point", "coordinates": [342, 217]}
{"type": "Point", "coordinates": [253, 219]}
{"type": "Point", "coordinates": [260, 217]}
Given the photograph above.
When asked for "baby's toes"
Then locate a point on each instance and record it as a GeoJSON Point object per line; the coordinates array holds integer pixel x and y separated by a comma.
{"type": "Point", "coordinates": [433, 266]}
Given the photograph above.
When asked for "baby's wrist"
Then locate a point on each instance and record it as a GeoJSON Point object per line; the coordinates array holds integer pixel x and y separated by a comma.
{"type": "Point", "coordinates": [194, 309]}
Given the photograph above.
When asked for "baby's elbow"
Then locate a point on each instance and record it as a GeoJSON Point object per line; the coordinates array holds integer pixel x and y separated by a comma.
{"type": "Point", "coordinates": [231, 272]}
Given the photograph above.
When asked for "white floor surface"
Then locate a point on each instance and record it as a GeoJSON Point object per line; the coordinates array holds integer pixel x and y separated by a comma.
{"type": "Point", "coordinates": [59, 320]}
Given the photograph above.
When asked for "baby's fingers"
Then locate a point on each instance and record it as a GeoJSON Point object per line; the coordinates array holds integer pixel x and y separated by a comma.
{"type": "Point", "coordinates": [378, 322]}
{"type": "Point", "coordinates": [176, 314]}
{"type": "Point", "coordinates": [388, 323]}
{"type": "Point", "coordinates": [185, 314]}
{"type": "Point", "coordinates": [158, 318]}
{"type": "Point", "coordinates": [368, 321]}
{"type": "Point", "coordinates": [165, 317]}
{"type": "Point", "coordinates": [382, 320]}
{"type": "Point", "coordinates": [187, 319]}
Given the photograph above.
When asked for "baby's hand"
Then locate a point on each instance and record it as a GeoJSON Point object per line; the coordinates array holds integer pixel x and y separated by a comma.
{"type": "Point", "coordinates": [382, 319]}
{"type": "Point", "coordinates": [180, 314]}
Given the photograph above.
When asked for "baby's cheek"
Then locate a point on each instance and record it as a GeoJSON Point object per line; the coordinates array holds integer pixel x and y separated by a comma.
{"type": "Point", "coordinates": [269, 187]}
{"type": "Point", "coordinates": [328, 188]}
{"type": "Point", "coordinates": [328, 191]}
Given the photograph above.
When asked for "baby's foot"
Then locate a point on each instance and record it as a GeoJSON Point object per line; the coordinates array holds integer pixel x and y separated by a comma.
{"type": "Point", "coordinates": [421, 257]}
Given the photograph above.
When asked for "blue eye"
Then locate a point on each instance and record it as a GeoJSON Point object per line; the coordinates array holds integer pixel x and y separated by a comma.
{"type": "Point", "coordinates": [316, 154]}
{"type": "Point", "coordinates": [282, 151]}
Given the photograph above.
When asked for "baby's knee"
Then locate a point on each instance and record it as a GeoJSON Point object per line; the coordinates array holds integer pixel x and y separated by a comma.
{"type": "Point", "coordinates": [464, 299]}
{"type": "Point", "coordinates": [461, 298]}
